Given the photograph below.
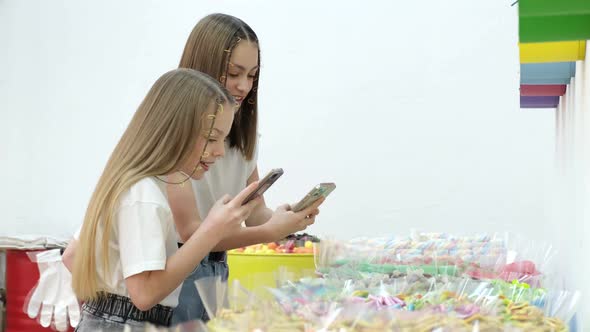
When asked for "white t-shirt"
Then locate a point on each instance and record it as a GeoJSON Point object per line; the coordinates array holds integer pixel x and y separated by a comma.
{"type": "Point", "coordinates": [143, 238]}
{"type": "Point", "coordinates": [228, 175]}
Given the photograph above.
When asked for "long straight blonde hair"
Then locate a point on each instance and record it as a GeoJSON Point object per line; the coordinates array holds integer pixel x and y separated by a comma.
{"type": "Point", "coordinates": [159, 138]}
{"type": "Point", "coordinates": [208, 49]}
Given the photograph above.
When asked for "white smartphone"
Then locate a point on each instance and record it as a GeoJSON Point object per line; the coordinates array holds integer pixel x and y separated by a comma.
{"type": "Point", "coordinates": [321, 190]}
{"type": "Point", "coordinates": [264, 184]}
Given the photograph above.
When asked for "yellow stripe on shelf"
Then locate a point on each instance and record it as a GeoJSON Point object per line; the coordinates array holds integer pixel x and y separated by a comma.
{"type": "Point", "coordinates": [552, 51]}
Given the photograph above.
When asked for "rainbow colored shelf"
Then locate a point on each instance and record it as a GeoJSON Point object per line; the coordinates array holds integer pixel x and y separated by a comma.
{"type": "Point", "coordinates": [552, 35]}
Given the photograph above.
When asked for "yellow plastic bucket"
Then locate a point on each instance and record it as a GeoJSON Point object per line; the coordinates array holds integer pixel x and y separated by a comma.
{"type": "Point", "coordinates": [263, 270]}
{"type": "Point", "coordinates": [567, 51]}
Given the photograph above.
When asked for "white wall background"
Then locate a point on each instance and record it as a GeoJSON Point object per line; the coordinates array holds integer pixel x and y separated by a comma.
{"type": "Point", "coordinates": [411, 107]}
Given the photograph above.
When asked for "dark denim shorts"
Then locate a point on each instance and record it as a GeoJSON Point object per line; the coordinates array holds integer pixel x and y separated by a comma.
{"type": "Point", "coordinates": [112, 312]}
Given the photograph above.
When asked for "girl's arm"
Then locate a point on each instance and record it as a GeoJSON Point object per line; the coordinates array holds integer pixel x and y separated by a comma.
{"type": "Point", "coordinates": [69, 254]}
{"type": "Point", "coordinates": [148, 288]}
{"type": "Point", "coordinates": [266, 226]}
{"type": "Point", "coordinates": [282, 223]}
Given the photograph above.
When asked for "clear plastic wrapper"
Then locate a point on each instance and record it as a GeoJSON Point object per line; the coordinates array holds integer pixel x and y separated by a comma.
{"type": "Point", "coordinates": [434, 253]}
{"type": "Point", "coordinates": [423, 282]}
{"type": "Point", "coordinates": [213, 292]}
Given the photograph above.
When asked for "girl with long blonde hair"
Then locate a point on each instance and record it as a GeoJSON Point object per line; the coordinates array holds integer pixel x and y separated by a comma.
{"type": "Point", "coordinates": [228, 49]}
{"type": "Point", "coordinates": [128, 267]}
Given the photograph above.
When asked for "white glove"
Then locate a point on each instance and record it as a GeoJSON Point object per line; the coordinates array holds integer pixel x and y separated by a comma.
{"type": "Point", "coordinates": [53, 293]}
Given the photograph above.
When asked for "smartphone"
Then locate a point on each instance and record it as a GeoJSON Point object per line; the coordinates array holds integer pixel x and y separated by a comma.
{"type": "Point", "coordinates": [321, 190]}
{"type": "Point", "coordinates": [264, 184]}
